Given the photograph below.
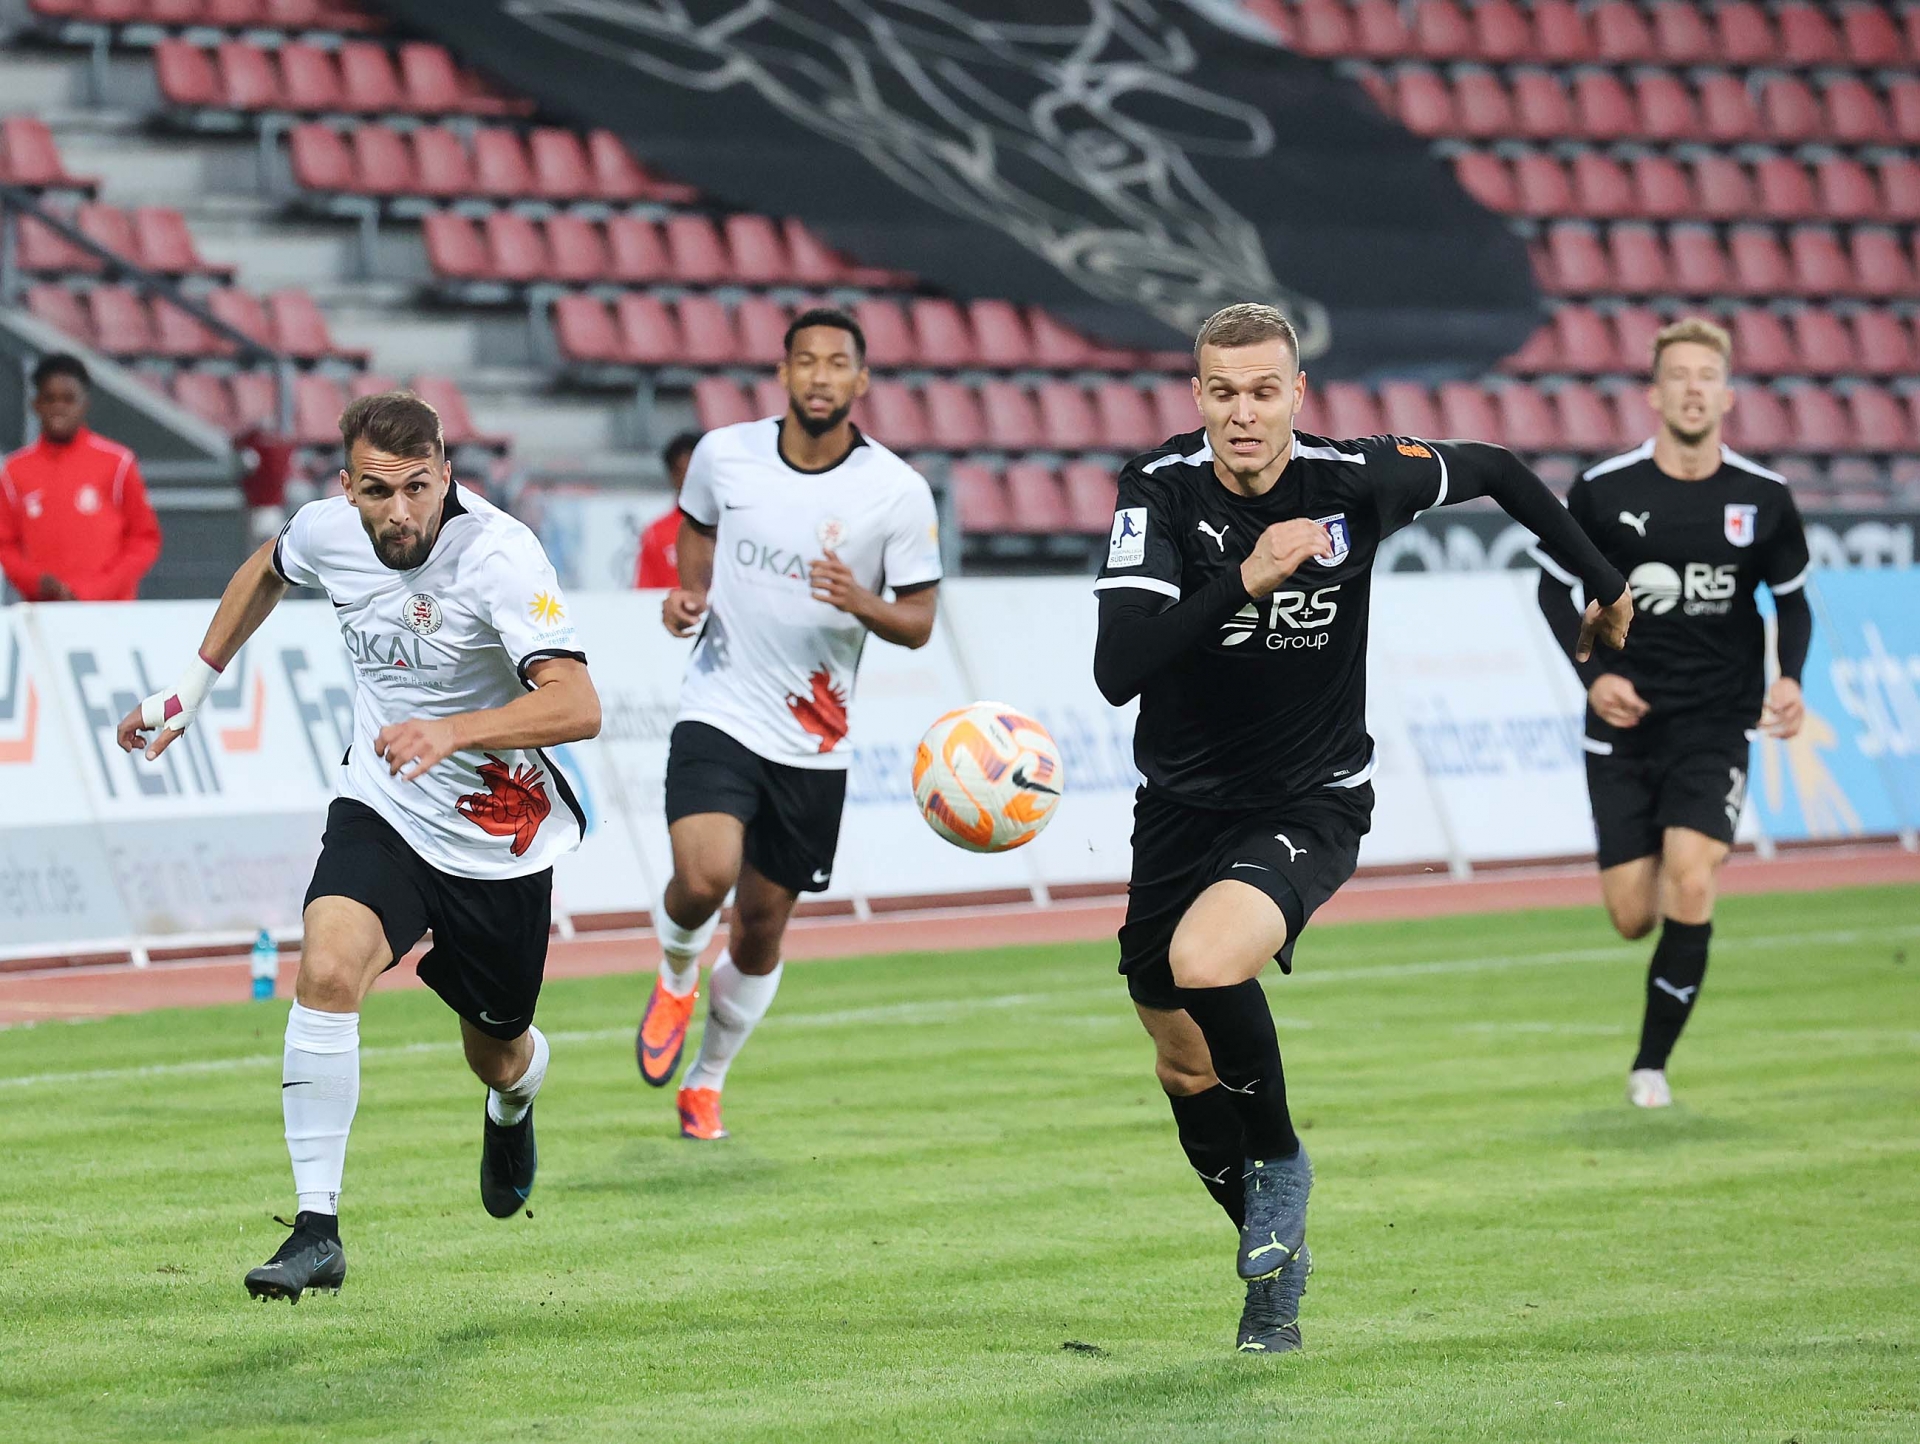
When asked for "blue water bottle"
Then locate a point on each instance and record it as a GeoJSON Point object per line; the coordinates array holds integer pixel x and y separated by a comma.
{"type": "Point", "coordinates": [266, 965]}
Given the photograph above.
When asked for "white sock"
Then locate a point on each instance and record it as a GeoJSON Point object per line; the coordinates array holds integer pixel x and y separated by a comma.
{"type": "Point", "coordinates": [681, 948]}
{"type": "Point", "coordinates": [510, 1105]}
{"type": "Point", "coordinates": [735, 1002]}
{"type": "Point", "coordinates": [319, 1090]}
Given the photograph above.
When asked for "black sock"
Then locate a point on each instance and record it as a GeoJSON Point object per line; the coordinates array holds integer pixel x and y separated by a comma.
{"type": "Point", "coordinates": [1210, 1133]}
{"type": "Point", "coordinates": [1238, 1027]}
{"type": "Point", "coordinates": [327, 1225]}
{"type": "Point", "coordinates": [1673, 987]}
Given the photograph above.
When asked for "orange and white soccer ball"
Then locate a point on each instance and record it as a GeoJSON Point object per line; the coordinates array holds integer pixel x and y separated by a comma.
{"type": "Point", "coordinates": [987, 777]}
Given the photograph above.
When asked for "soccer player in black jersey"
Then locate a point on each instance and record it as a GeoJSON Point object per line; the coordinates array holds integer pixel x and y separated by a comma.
{"type": "Point", "coordinates": [1696, 527]}
{"type": "Point", "coordinates": [1234, 604]}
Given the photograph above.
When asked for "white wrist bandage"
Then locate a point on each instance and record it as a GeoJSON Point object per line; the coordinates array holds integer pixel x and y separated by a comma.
{"type": "Point", "coordinates": [174, 708]}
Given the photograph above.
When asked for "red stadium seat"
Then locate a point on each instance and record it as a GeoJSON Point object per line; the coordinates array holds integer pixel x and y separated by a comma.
{"type": "Point", "coordinates": [617, 176]}
{"type": "Point", "coordinates": [108, 226]}
{"type": "Point", "coordinates": [1621, 35]}
{"type": "Point", "coordinates": [1640, 265]}
{"type": "Point", "coordinates": [121, 326]}
{"type": "Point", "coordinates": [164, 244]}
{"type": "Point", "coordinates": [1883, 344]}
{"type": "Point", "coordinates": [1871, 39]}
{"type": "Point", "coordinates": [1423, 103]}
{"type": "Point", "coordinates": [1790, 110]}
{"type": "Point", "coordinates": [1539, 355]}
{"type": "Point", "coordinates": [1345, 410]}
{"type": "Point", "coordinates": [1634, 328]}
{"type": "Point", "coordinates": [247, 14]}
{"type": "Point", "coordinates": [455, 247]}
{"type": "Point", "coordinates": [1501, 32]}
{"type": "Point", "coordinates": [1604, 106]}
{"type": "Point", "coordinates": [1035, 501]}
{"type": "Point", "coordinates": [1541, 108]}
{"type": "Point", "coordinates": [1879, 422]}
{"type": "Point", "coordinates": [43, 250]}
{"type": "Point", "coordinates": [1822, 344]}
{"type": "Point", "coordinates": [175, 333]}
{"type": "Point", "coordinates": [61, 309]}
{"type": "Point", "coordinates": [1819, 266]}
{"type": "Point", "coordinates": [1727, 110]}
{"type": "Point", "coordinates": [718, 402]}
{"type": "Point", "coordinates": [889, 338]}
{"type": "Point", "coordinates": [1441, 31]}
{"type": "Point", "coordinates": [298, 327]}
{"type": "Point", "coordinates": [518, 250]}
{"type": "Point", "coordinates": [979, 499]}
{"type": "Point", "coordinates": [429, 80]}
{"type": "Point", "coordinates": [1561, 31]}
{"type": "Point", "coordinates": [248, 80]}
{"type": "Point", "coordinates": [207, 397]}
{"type": "Point", "coordinates": [1480, 105]}
{"type": "Point", "coordinates": [1602, 188]}
{"type": "Point", "coordinates": [1699, 264]}
{"type": "Point", "coordinates": [1578, 261]}
{"type": "Point", "coordinates": [1467, 412]}
{"type": "Point", "coordinates": [1681, 33]}
{"type": "Point", "coordinates": [1854, 114]}
{"type": "Point", "coordinates": [1013, 421]}
{"type": "Point", "coordinates": [1847, 191]}
{"type": "Point", "coordinates": [1807, 37]}
{"type": "Point", "coordinates": [320, 159]}
{"type": "Point", "coordinates": [1903, 105]}
{"type": "Point", "coordinates": [1818, 421]}
{"type": "Point", "coordinates": [1724, 188]}
{"type": "Point", "coordinates": [576, 250]}
{"type": "Point", "coordinates": [1067, 419]}
{"type": "Point", "coordinates": [953, 415]}
{"type": "Point", "coordinates": [762, 324]}
{"type": "Point", "coordinates": [1786, 190]}
{"type": "Point", "coordinates": [638, 255]}
{"type": "Point", "coordinates": [368, 80]}
{"type": "Point", "coordinates": [1666, 105]}
{"type": "Point", "coordinates": [1661, 188]}
{"type": "Point", "coordinates": [1526, 420]}
{"type": "Point", "coordinates": [1880, 268]}
{"type": "Point", "coordinates": [1759, 264]}
{"type": "Point", "coordinates": [1174, 410]}
{"type": "Point", "coordinates": [1056, 347]}
{"type": "Point", "coordinates": [445, 397]}
{"type": "Point", "coordinates": [759, 255]}
{"type": "Point", "coordinates": [1380, 31]}
{"type": "Point", "coordinates": [1542, 185]}
{"type": "Point", "coordinates": [1407, 409]}
{"type": "Point", "coordinates": [1091, 496]}
{"type": "Point", "coordinates": [308, 79]}
{"type": "Point", "coordinates": [500, 166]}
{"type": "Point", "coordinates": [1745, 37]}
{"type": "Point", "coordinates": [941, 336]}
{"type": "Point", "coordinates": [1761, 343]}
{"type": "Point", "coordinates": [649, 331]}
{"type": "Point", "coordinates": [1125, 417]}
{"type": "Point", "coordinates": [1758, 422]}
{"type": "Point", "coordinates": [696, 253]}
{"type": "Point", "coordinates": [383, 163]}
{"type": "Point", "coordinates": [1000, 334]}
{"type": "Point", "coordinates": [896, 416]}
{"type": "Point", "coordinates": [317, 404]}
{"type": "Point", "coordinates": [584, 330]}
{"type": "Point", "coordinates": [1586, 341]}
{"type": "Point", "coordinates": [29, 157]}
{"type": "Point", "coordinates": [1323, 28]}
{"type": "Point", "coordinates": [371, 383]}
{"type": "Point", "coordinates": [1273, 15]}
{"type": "Point", "coordinates": [1485, 177]}
{"type": "Point", "coordinates": [708, 329]}
{"type": "Point", "coordinates": [244, 313]}
{"type": "Point", "coordinates": [441, 164]}
{"type": "Point", "coordinates": [186, 75]}
{"type": "Point", "coordinates": [1587, 421]}
{"type": "Point", "coordinates": [1899, 187]}
{"type": "Point", "coordinates": [561, 171]}
{"type": "Point", "coordinates": [814, 262]}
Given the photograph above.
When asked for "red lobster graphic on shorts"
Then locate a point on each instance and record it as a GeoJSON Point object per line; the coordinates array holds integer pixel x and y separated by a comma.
{"type": "Point", "coordinates": [514, 804]}
{"type": "Point", "coordinates": [824, 712]}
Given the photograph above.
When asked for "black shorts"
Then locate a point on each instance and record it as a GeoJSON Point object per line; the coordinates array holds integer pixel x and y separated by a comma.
{"type": "Point", "coordinates": [1687, 772]}
{"type": "Point", "coordinates": [1298, 853]}
{"type": "Point", "coordinates": [792, 814]}
{"type": "Point", "coordinates": [489, 950]}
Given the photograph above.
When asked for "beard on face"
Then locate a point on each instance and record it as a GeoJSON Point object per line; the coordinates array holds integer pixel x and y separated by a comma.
{"type": "Point", "coordinates": [818, 426]}
{"type": "Point", "coordinates": [399, 555]}
{"type": "Point", "coordinates": [1689, 437]}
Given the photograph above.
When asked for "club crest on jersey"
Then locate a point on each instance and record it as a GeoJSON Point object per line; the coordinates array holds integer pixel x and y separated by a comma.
{"type": "Point", "coordinates": [421, 613]}
{"type": "Point", "coordinates": [832, 533]}
{"type": "Point", "coordinates": [1336, 526]}
{"type": "Point", "coordinates": [1742, 523]}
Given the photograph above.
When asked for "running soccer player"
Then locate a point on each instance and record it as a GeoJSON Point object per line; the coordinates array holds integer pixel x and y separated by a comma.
{"type": "Point", "coordinates": [1696, 527]}
{"type": "Point", "coordinates": [1234, 604]}
{"type": "Point", "coordinates": [446, 815]}
{"type": "Point", "coordinates": [792, 531]}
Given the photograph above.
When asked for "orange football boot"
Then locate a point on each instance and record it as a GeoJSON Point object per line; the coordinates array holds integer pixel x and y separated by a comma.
{"type": "Point", "coordinates": [700, 1114]}
{"type": "Point", "coordinates": [663, 1034]}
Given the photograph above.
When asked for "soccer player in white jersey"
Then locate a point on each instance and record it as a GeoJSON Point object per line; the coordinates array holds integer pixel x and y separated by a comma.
{"type": "Point", "coordinates": [448, 815]}
{"type": "Point", "coordinates": [793, 532]}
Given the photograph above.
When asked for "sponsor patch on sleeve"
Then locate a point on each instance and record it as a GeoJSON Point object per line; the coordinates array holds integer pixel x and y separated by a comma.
{"type": "Point", "coordinates": [1127, 546]}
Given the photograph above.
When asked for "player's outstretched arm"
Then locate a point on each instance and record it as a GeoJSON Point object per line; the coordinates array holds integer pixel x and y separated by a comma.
{"type": "Point", "coordinates": [256, 589]}
{"type": "Point", "coordinates": [693, 553]}
{"type": "Point", "coordinates": [562, 707]}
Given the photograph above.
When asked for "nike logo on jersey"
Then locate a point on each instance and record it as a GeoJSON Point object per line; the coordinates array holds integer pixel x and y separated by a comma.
{"type": "Point", "coordinates": [1219, 537]}
{"type": "Point", "coordinates": [1685, 994]}
{"type": "Point", "coordinates": [1292, 851]}
{"type": "Point", "coordinates": [1638, 523]}
{"type": "Point", "coordinates": [820, 876]}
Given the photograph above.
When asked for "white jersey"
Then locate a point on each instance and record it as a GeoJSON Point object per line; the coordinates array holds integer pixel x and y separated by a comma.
{"type": "Point", "coordinates": [455, 634]}
{"type": "Point", "coordinates": [773, 668]}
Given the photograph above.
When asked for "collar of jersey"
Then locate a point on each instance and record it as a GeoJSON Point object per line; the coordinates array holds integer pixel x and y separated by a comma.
{"type": "Point", "coordinates": [859, 440]}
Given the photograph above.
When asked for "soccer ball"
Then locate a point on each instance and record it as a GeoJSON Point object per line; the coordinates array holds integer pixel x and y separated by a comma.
{"type": "Point", "coordinates": [987, 777]}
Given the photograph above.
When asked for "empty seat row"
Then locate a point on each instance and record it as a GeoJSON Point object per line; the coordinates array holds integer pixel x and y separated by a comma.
{"type": "Point", "coordinates": [154, 238]}
{"type": "Point", "coordinates": [1598, 105]}
{"type": "Point", "coordinates": [248, 399]}
{"type": "Point", "coordinates": [432, 161]}
{"type": "Point", "coordinates": [1634, 259]}
{"type": "Point", "coordinates": [1808, 341]}
{"type": "Point", "coordinates": [30, 158]}
{"type": "Point", "coordinates": [999, 415]}
{"type": "Point", "coordinates": [1705, 186]}
{"type": "Point", "coordinates": [361, 77]}
{"type": "Point", "coordinates": [1031, 499]}
{"type": "Point", "coordinates": [121, 322]}
{"type": "Point", "coordinates": [641, 329]}
{"type": "Point", "coordinates": [1674, 32]}
{"type": "Point", "coordinates": [319, 15]}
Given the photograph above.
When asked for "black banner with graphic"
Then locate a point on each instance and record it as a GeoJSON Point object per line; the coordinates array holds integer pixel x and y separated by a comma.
{"type": "Point", "coordinates": [1127, 164]}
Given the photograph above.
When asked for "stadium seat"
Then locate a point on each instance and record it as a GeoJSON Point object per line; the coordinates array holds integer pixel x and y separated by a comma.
{"type": "Point", "coordinates": [1174, 411]}
{"type": "Point", "coordinates": [718, 401]}
{"type": "Point", "coordinates": [370, 383]}
{"type": "Point", "coordinates": [1634, 328]}
{"type": "Point", "coordinates": [298, 327]}
{"type": "Point", "coordinates": [1817, 420]}
{"type": "Point", "coordinates": [1527, 422]}
{"type": "Point", "coordinates": [441, 165]}
{"type": "Point", "coordinates": [1822, 345]}
{"type": "Point", "coordinates": [61, 309]}
{"type": "Point", "coordinates": [1541, 108]}
{"type": "Point", "coordinates": [1000, 334]}
{"type": "Point", "coordinates": [1423, 103]}
{"type": "Point", "coordinates": [762, 326]}
{"type": "Point", "coordinates": [44, 251]}
{"type": "Point", "coordinates": [1441, 31]}
{"type": "Point", "coordinates": [1487, 178]}
{"type": "Point", "coordinates": [500, 166]}
{"type": "Point", "coordinates": [317, 403]}
{"type": "Point", "coordinates": [1067, 420]}
{"type": "Point", "coordinates": [1602, 188]}
{"type": "Point", "coordinates": [941, 336]}
{"type": "Point", "coordinates": [444, 395]}
{"type": "Point", "coordinates": [1035, 501]}
{"type": "Point", "coordinates": [369, 83]}
{"type": "Point", "coordinates": [1846, 189]}
{"type": "Point", "coordinates": [576, 250]}
{"type": "Point", "coordinates": [1699, 263]}
{"type": "Point", "coordinates": [1588, 421]}
{"type": "Point", "coordinates": [979, 498]}
{"type": "Point", "coordinates": [177, 334]}
{"type": "Point", "coordinates": [1818, 265]}
{"type": "Point", "coordinates": [758, 253]}
{"type": "Point", "coordinates": [649, 332]}
{"type": "Point", "coordinates": [1090, 494]}
{"type": "Point", "coordinates": [186, 75]}
{"type": "Point", "coordinates": [637, 254]}
{"type": "Point", "coordinates": [1880, 268]}
{"type": "Point", "coordinates": [1854, 114]}
{"type": "Point", "coordinates": [1577, 262]}
{"type": "Point", "coordinates": [244, 313]}
{"type": "Point", "coordinates": [1807, 37]}
{"type": "Point", "coordinates": [1013, 421]}
{"type": "Point", "coordinates": [1785, 189]}
{"type": "Point", "coordinates": [896, 416]}
{"type": "Point", "coordinates": [383, 164]}
{"type": "Point", "coordinates": [1126, 422]}
{"type": "Point", "coordinates": [1467, 412]}
{"type": "Point", "coordinates": [1481, 108]}
{"type": "Point", "coordinates": [1501, 32]}
{"type": "Point", "coordinates": [1745, 37]}
{"type": "Point", "coordinates": [516, 247]}
{"type": "Point", "coordinates": [1723, 187]}
{"type": "Point", "coordinates": [1883, 343]}
{"type": "Point", "coordinates": [1761, 343]}
{"type": "Point", "coordinates": [1621, 35]}
{"type": "Point", "coordinates": [1345, 410]}
{"type": "Point", "coordinates": [1758, 423]}
{"type": "Point", "coordinates": [695, 253]}
{"type": "Point", "coordinates": [1758, 264]}
{"type": "Point", "coordinates": [1681, 34]}
{"type": "Point", "coordinates": [1407, 409]}
{"type": "Point", "coordinates": [1903, 107]}
{"type": "Point", "coordinates": [429, 80]}
{"type": "Point", "coordinates": [1899, 187]}
{"type": "Point", "coordinates": [1726, 109]}
{"type": "Point", "coordinates": [1666, 106]}
{"type": "Point", "coordinates": [1640, 264]}
{"type": "Point", "coordinates": [29, 157]}
{"type": "Point", "coordinates": [1323, 28]}
{"type": "Point", "coordinates": [1661, 188]}
{"type": "Point", "coordinates": [1604, 106]}
{"type": "Point", "coordinates": [455, 247]}
{"type": "Point", "coordinates": [206, 396]}
{"type": "Point", "coordinates": [708, 331]}
{"type": "Point", "coordinates": [109, 227]}
{"type": "Point", "coordinates": [121, 326]}
{"type": "Point", "coordinates": [1056, 347]}
{"type": "Point", "coordinates": [1541, 185]}
{"type": "Point", "coordinates": [561, 170]}
{"type": "Point", "coordinates": [1871, 39]}
{"type": "Point", "coordinates": [814, 262]}
{"type": "Point", "coordinates": [953, 415]}
{"type": "Point", "coordinates": [249, 80]}
{"type": "Point", "coordinates": [1561, 32]}
{"type": "Point", "coordinates": [320, 159]}
{"type": "Point", "coordinates": [1879, 423]}
{"type": "Point", "coordinates": [1586, 342]}
{"type": "Point", "coordinates": [1380, 31]}
{"type": "Point", "coordinates": [1540, 354]}
{"type": "Point", "coordinates": [889, 337]}
{"type": "Point", "coordinates": [584, 330]}
{"type": "Point", "coordinates": [1790, 111]}
{"type": "Point", "coordinates": [617, 177]}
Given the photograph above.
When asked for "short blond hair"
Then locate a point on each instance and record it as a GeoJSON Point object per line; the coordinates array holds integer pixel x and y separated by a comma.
{"type": "Point", "coordinates": [1246, 323]}
{"type": "Point", "coordinates": [1696, 330]}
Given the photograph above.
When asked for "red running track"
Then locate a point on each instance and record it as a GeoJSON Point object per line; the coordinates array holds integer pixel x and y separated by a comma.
{"type": "Point", "coordinates": [69, 992]}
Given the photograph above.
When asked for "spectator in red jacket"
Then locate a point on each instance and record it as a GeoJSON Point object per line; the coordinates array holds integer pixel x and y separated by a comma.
{"type": "Point", "coordinates": [75, 524]}
{"type": "Point", "coordinates": [659, 566]}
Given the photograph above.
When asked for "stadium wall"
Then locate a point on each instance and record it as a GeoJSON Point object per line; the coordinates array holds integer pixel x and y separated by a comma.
{"type": "Point", "coordinates": [1476, 716]}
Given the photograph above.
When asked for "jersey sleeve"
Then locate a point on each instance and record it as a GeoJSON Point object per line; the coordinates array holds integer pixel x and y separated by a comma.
{"type": "Point", "coordinates": [700, 492]}
{"type": "Point", "coordinates": [520, 597]}
{"type": "Point", "coordinates": [1142, 553]}
{"type": "Point", "coordinates": [297, 551]}
{"type": "Point", "coordinates": [1406, 476]}
{"type": "Point", "coordinates": [1787, 556]}
{"type": "Point", "coordinates": [912, 556]}
{"type": "Point", "coordinates": [1580, 508]}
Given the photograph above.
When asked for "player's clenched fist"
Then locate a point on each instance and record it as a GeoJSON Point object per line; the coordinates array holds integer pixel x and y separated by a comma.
{"type": "Point", "coordinates": [1609, 624]}
{"type": "Point", "coordinates": [1615, 701]}
{"type": "Point", "coordinates": [416, 746]}
{"type": "Point", "coordinates": [682, 610]}
{"type": "Point", "coordinates": [1281, 551]}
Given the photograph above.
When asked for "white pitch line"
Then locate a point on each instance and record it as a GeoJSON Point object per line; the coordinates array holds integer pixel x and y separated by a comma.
{"type": "Point", "coordinates": [949, 1010]}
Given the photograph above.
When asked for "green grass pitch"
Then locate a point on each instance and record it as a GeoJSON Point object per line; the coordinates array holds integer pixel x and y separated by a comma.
{"type": "Point", "coordinates": [947, 1168]}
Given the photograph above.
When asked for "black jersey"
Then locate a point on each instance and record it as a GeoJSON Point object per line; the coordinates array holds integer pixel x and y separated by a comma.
{"type": "Point", "coordinates": [1274, 703]}
{"type": "Point", "coordinates": [1694, 552]}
